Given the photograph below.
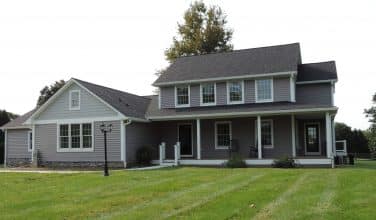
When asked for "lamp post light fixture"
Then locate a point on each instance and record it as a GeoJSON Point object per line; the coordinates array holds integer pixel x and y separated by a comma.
{"type": "Point", "coordinates": [105, 129]}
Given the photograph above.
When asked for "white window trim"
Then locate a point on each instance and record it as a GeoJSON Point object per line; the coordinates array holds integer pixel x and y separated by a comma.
{"type": "Point", "coordinates": [215, 135]}
{"type": "Point", "coordinates": [272, 133]}
{"type": "Point", "coordinates": [272, 91]}
{"type": "Point", "coordinates": [28, 141]}
{"type": "Point", "coordinates": [228, 93]}
{"type": "Point", "coordinates": [70, 149]}
{"type": "Point", "coordinates": [70, 100]}
{"type": "Point", "coordinates": [305, 140]}
{"type": "Point", "coordinates": [215, 95]}
{"type": "Point", "coordinates": [176, 97]}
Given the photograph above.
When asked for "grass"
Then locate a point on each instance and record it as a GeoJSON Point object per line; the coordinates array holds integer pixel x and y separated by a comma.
{"type": "Point", "coordinates": [193, 193]}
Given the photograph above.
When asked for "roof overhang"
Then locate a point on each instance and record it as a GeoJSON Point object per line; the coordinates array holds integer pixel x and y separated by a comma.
{"type": "Point", "coordinates": [332, 110]}
{"type": "Point", "coordinates": [317, 81]}
{"type": "Point", "coordinates": [245, 76]}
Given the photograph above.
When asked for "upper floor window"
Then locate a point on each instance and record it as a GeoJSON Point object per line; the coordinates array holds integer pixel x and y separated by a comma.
{"type": "Point", "coordinates": [264, 90]}
{"type": "Point", "coordinates": [182, 96]}
{"type": "Point", "coordinates": [208, 94]}
{"type": "Point", "coordinates": [74, 100]}
{"type": "Point", "coordinates": [235, 92]}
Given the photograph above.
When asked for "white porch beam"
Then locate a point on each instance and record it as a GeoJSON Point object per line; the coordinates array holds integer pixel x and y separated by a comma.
{"type": "Point", "coordinates": [198, 135]}
{"type": "Point", "coordinates": [293, 136]}
{"type": "Point", "coordinates": [259, 147]}
{"type": "Point", "coordinates": [329, 138]}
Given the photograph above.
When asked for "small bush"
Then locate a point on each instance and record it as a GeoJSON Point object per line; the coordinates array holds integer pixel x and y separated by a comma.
{"type": "Point", "coordinates": [284, 162]}
{"type": "Point", "coordinates": [235, 162]}
{"type": "Point", "coordinates": [144, 155]}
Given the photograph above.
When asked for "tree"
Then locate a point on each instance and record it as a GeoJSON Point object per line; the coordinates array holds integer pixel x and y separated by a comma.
{"type": "Point", "coordinates": [49, 91]}
{"type": "Point", "coordinates": [202, 32]}
{"type": "Point", "coordinates": [371, 134]}
{"type": "Point", "coordinates": [356, 140]}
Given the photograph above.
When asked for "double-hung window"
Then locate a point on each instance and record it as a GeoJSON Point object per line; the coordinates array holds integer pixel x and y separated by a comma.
{"type": "Point", "coordinates": [75, 137]}
{"type": "Point", "coordinates": [235, 92]}
{"type": "Point", "coordinates": [264, 90]}
{"type": "Point", "coordinates": [222, 135]}
{"type": "Point", "coordinates": [74, 100]}
{"type": "Point", "coordinates": [208, 94]}
{"type": "Point", "coordinates": [182, 96]}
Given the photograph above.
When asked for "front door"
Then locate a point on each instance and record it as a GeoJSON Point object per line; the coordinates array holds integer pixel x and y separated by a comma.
{"type": "Point", "coordinates": [185, 139]}
{"type": "Point", "coordinates": [312, 139]}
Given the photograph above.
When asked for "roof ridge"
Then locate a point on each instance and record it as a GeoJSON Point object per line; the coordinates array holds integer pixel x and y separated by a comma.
{"type": "Point", "coordinates": [237, 51]}
{"type": "Point", "coordinates": [138, 96]}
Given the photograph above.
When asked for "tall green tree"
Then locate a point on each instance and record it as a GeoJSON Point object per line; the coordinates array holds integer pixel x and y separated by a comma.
{"type": "Point", "coordinates": [371, 134]}
{"type": "Point", "coordinates": [49, 91]}
{"type": "Point", "coordinates": [356, 139]}
{"type": "Point", "coordinates": [203, 31]}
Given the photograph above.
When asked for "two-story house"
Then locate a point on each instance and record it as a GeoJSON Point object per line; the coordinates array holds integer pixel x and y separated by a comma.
{"type": "Point", "coordinates": [261, 103]}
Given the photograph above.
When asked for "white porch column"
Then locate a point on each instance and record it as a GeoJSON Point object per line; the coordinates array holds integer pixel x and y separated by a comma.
{"type": "Point", "coordinates": [259, 147]}
{"type": "Point", "coordinates": [198, 135]}
{"type": "Point", "coordinates": [162, 152]}
{"type": "Point", "coordinates": [5, 147]}
{"type": "Point", "coordinates": [177, 153]}
{"type": "Point", "coordinates": [293, 136]}
{"type": "Point", "coordinates": [334, 137]}
{"type": "Point", "coordinates": [122, 143]}
{"type": "Point", "coordinates": [329, 140]}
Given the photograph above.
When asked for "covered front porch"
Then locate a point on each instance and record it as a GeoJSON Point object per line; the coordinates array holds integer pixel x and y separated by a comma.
{"type": "Point", "coordinates": [259, 139]}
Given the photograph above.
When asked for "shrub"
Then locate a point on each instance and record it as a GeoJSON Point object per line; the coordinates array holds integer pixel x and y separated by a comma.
{"type": "Point", "coordinates": [235, 162]}
{"type": "Point", "coordinates": [284, 162]}
{"type": "Point", "coordinates": [144, 155]}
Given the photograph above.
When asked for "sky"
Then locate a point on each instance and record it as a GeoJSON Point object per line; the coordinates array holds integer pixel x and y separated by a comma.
{"type": "Point", "coordinates": [120, 44]}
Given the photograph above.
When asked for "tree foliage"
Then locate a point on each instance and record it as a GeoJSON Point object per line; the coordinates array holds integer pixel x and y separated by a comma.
{"type": "Point", "coordinates": [5, 117]}
{"type": "Point", "coordinates": [356, 139]}
{"type": "Point", "coordinates": [371, 134]}
{"type": "Point", "coordinates": [203, 31]}
{"type": "Point", "coordinates": [49, 91]}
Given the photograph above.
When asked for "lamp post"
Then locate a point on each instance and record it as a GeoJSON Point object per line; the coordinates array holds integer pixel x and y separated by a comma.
{"type": "Point", "coordinates": [104, 129]}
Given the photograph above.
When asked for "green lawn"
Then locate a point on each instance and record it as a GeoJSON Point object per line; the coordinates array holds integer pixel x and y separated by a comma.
{"type": "Point", "coordinates": [194, 193]}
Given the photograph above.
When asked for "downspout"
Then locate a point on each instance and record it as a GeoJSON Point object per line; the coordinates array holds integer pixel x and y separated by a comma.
{"type": "Point", "coordinates": [123, 131]}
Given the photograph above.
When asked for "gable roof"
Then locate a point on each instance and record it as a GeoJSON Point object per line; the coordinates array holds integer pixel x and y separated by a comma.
{"type": "Point", "coordinates": [19, 121]}
{"type": "Point", "coordinates": [317, 71]}
{"type": "Point", "coordinates": [262, 60]}
{"type": "Point", "coordinates": [128, 104]}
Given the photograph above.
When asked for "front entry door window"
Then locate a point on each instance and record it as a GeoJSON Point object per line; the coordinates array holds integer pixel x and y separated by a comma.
{"type": "Point", "coordinates": [185, 139]}
{"type": "Point", "coordinates": [312, 139]}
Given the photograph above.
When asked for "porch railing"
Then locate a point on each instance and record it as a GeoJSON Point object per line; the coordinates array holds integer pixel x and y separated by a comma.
{"type": "Point", "coordinates": [162, 153]}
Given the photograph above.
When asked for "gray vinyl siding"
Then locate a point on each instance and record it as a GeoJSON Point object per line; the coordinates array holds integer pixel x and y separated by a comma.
{"type": "Point", "coordinates": [195, 95]}
{"type": "Point", "coordinates": [314, 93]}
{"type": "Point", "coordinates": [249, 91]}
{"type": "Point", "coordinates": [221, 93]}
{"type": "Point", "coordinates": [17, 144]}
{"type": "Point", "coordinates": [281, 89]}
{"type": "Point", "coordinates": [90, 106]}
{"type": "Point", "coordinates": [141, 135]}
{"type": "Point", "coordinates": [167, 97]}
{"type": "Point", "coordinates": [46, 143]}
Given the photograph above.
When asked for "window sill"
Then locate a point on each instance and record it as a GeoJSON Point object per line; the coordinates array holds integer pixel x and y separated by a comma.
{"type": "Point", "coordinates": [74, 109]}
{"type": "Point", "coordinates": [221, 148]}
{"type": "Point", "coordinates": [75, 150]}
{"type": "Point", "coordinates": [208, 104]}
{"type": "Point", "coordinates": [264, 101]}
{"type": "Point", "coordinates": [235, 102]}
{"type": "Point", "coordinates": [268, 147]}
{"type": "Point", "coordinates": [182, 106]}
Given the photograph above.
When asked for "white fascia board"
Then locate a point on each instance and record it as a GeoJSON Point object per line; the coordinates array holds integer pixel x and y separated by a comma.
{"type": "Point", "coordinates": [78, 120]}
{"type": "Point", "coordinates": [246, 76]}
{"type": "Point", "coordinates": [316, 81]}
{"type": "Point", "coordinates": [15, 128]}
{"type": "Point", "coordinates": [240, 114]}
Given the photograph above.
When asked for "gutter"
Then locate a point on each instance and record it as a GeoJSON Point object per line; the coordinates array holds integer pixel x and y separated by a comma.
{"type": "Point", "coordinates": [123, 140]}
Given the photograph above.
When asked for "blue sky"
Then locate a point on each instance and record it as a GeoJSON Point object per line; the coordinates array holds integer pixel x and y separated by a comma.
{"type": "Point", "coordinates": [121, 43]}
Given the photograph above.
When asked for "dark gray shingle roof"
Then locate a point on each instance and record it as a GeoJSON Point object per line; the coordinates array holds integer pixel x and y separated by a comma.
{"type": "Point", "coordinates": [317, 71]}
{"type": "Point", "coordinates": [271, 59]}
{"type": "Point", "coordinates": [154, 111]}
{"type": "Point", "coordinates": [18, 122]}
{"type": "Point", "coordinates": [129, 104]}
